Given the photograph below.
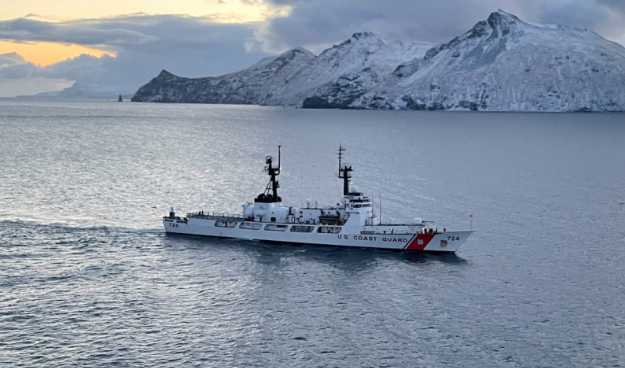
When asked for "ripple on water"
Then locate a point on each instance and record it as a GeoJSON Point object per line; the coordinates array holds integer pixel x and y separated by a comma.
{"type": "Point", "coordinates": [88, 279]}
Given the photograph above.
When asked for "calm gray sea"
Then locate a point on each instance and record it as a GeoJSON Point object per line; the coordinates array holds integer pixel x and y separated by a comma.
{"type": "Point", "coordinates": [88, 279]}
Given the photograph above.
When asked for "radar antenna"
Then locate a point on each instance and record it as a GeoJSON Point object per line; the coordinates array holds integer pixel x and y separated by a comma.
{"type": "Point", "coordinates": [270, 195]}
{"type": "Point", "coordinates": [345, 171]}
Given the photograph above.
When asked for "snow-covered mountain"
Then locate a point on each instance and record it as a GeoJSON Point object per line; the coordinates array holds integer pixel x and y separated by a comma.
{"type": "Point", "coordinates": [501, 64]}
{"type": "Point", "coordinates": [250, 86]}
{"type": "Point", "coordinates": [291, 77]}
{"type": "Point", "coordinates": [343, 72]}
{"type": "Point", "coordinates": [505, 64]}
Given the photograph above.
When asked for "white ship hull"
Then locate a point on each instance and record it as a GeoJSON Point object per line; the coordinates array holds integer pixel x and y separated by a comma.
{"type": "Point", "coordinates": [447, 241]}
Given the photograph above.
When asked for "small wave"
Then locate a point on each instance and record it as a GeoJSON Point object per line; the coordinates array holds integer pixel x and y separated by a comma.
{"type": "Point", "coordinates": [70, 226]}
{"type": "Point", "coordinates": [16, 256]}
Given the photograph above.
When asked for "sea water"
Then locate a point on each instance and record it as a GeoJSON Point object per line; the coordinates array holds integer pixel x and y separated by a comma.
{"type": "Point", "coordinates": [88, 278]}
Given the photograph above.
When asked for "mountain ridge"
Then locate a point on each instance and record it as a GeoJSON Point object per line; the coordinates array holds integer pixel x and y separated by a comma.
{"type": "Point", "coordinates": [505, 64]}
{"type": "Point", "coordinates": [502, 63]}
{"type": "Point", "coordinates": [286, 79]}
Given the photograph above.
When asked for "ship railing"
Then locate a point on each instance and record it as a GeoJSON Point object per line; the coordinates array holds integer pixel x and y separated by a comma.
{"type": "Point", "coordinates": [391, 232]}
{"type": "Point", "coordinates": [216, 216]}
{"type": "Point", "coordinates": [392, 229]}
{"type": "Point", "coordinates": [418, 224]}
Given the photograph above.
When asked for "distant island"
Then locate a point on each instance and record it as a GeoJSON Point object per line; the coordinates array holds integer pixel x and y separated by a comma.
{"type": "Point", "coordinates": [501, 64]}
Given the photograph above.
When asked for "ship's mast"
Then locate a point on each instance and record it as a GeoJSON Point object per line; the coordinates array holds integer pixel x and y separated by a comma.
{"type": "Point", "coordinates": [345, 172]}
{"type": "Point", "coordinates": [271, 191]}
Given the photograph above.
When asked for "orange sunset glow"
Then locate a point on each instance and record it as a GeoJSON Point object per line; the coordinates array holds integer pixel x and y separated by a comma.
{"type": "Point", "coordinates": [47, 53]}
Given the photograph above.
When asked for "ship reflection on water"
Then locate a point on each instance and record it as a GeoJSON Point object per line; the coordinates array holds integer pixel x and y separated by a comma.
{"type": "Point", "coordinates": [273, 253]}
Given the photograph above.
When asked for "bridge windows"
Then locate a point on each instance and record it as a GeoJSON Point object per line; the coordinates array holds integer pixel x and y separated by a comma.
{"type": "Point", "coordinates": [329, 229]}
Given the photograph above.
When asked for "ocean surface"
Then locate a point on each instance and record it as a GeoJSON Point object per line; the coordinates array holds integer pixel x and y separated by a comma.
{"type": "Point", "coordinates": [88, 279]}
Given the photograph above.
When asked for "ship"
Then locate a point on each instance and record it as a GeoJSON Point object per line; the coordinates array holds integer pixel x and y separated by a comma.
{"type": "Point", "coordinates": [349, 223]}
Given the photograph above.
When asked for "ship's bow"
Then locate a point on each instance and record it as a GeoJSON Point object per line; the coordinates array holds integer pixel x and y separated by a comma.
{"type": "Point", "coordinates": [448, 242]}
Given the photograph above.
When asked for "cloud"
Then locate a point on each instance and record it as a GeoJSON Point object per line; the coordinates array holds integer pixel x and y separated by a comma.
{"type": "Point", "coordinates": [10, 59]}
{"type": "Point", "coordinates": [88, 32]}
{"type": "Point", "coordinates": [327, 21]}
{"type": "Point", "coordinates": [616, 5]}
{"type": "Point", "coordinates": [13, 66]}
{"type": "Point", "coordinates": [18, 77]}
{"type": "Point", "coordinates": [144, 45]}
{"type": "Point", "coordinates": [144, 34]}
{"type": "Point", "coordinates": [319, 22]}
{"type": "Point", "coordinates": [607, 17]}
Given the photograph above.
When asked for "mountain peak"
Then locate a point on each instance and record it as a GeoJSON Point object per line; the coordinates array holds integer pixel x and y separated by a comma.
{"type": "Point", "coordinates": [290, 54]}
{"type": "Point", "coordinates": [504, 14]}
{"type": "Point", "coordinates": [363, 35]}
{"type": "Point", "coordinates": [164, 74]}
{"type": "Point", "coordinates": [358, 40]}
{"type": "Point", "coordinates": [502, 21]}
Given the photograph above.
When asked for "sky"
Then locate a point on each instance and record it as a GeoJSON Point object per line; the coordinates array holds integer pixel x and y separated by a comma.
{"type": "Point", "coordinates": [117, 45]}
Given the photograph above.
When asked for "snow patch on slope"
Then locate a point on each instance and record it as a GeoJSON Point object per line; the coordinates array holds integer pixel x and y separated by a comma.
{"type": "Point", "coordinates": [505, 64]}
{"type": "Point", "coordinates": [500, 64]}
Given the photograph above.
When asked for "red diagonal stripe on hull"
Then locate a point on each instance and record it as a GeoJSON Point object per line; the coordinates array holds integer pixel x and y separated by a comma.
{"type": "Point", "coordinates": [410, 241]}
{"type": "Point", "coordinates": [419, 242]}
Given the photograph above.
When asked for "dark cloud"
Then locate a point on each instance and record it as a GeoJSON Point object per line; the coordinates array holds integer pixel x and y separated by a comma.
{"type": "Point", "coordinates": [319, 22]}
{"type": "Point", "coordinates": [607, 17]}
{"type": "Point", "coordinates": [326, 21]}
{"type": "Point", "coordinates": [13, 66]}
{"type": "Point", "coordinates": [81, 32]}
{"type": "Point", "coordinates": [617, 5]}
{"type": "Point", "coordinates": [583, 15]}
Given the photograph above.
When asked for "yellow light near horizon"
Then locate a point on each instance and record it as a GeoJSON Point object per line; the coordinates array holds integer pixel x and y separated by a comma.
{"type": "Point", "coordinates": [48, 53]}
{"type": "Point", "coordinates": [227, 11]}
